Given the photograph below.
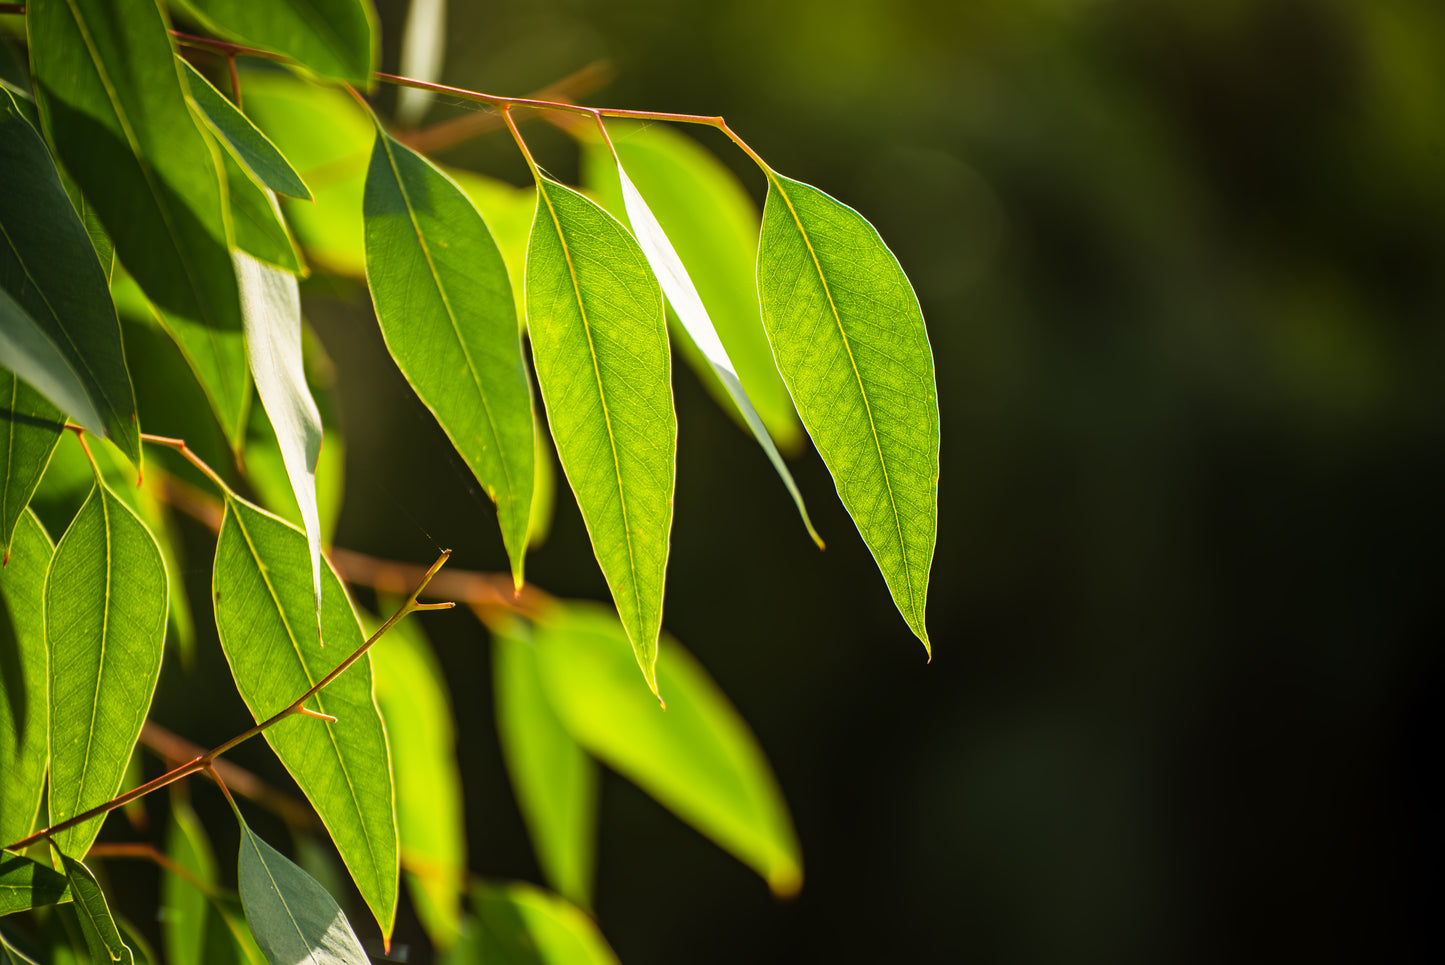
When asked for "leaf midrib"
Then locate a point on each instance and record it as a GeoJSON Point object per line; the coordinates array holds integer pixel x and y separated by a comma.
{"type": "Point", "coordinates": [251, 839]}
{"type": "Point", "coordinates": [100, 670]}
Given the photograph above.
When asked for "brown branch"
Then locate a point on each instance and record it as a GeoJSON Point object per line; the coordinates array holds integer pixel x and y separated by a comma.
{"type": "Point", "coordinates": [149, 852]}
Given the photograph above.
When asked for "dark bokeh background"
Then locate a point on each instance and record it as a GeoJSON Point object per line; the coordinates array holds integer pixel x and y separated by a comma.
{"type": "Point", "coordinates": [1182, 269]}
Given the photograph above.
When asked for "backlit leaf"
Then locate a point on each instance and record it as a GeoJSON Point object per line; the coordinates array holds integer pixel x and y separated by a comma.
{"type": "Point", "coordinates": [29, 429]}
{"type": "Point", "coordinates": [293, 918]}
{"type": "Point", "coordinates": [242, 138]}
{"type": "Point", "coordinates": [849, 339]}
{"type": "Point", "coordinates": [265, 612]}
{"type": "Point", "coordinates": [553, 779]}
{"type": "Point", "coordinates": [102, 936]}
{"type": "Point", "coordinates": [599, 342]}
{"type": "Point", "coordinates": [445, 306]}
{"type": "Point", "coordinates": [113, 103]}
{"type": "Point", "coordinates": [105, 621]}
{"type": "Point", "coordinates": [697, 758]}
{"type": "Point", "coordinates": [24, 688]}
{"type": "Point", "coordinates": [28, 884]}
{"type": "Point", "coordinates": [334, 38]}
{"type": "Point", "coordinates": [27, 351]}
{"type": "Point", "coordinates": [48, 267]}
{"type": "Point", "coordinates": [10, 955]}
{"type": "Point", "coordinates": [257, 223]}
{"type": "Point", "coordinates": [520, 924]}
{"type": "Point", "coordinates": [184, 905]}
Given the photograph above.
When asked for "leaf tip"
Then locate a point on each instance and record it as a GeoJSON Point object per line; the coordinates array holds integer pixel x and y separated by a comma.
{"type": "Point", "coordinates": [786, 882]}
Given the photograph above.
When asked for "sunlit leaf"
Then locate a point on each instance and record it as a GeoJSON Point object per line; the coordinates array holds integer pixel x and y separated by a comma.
{"type": "Point", "coordinates": [28, 884]}
{"type": "Point", "coordinates": [849, 339]}
{"type": "Point", "coordinates": [520, 924]}
{"type": "Point", "coordinates": [544, 490]}
{"type": "Point", "coordinates": [697, 758]}
{"type": "Point", "coordinates": [265, 612]}
{"type": "Point", "coordinates": [423, 46]}
{"type": "Point", "coordinates": [334, 38]}
{"type": "Point", "coordinates": [105, 619]}
{"type": "Point", "coordinates": [184, 905]}
{"type": "Point", "coordinates": [114, 106]}
{"type": "Point", "coordinates": [29, 429]}
{"type": "Point", "coordinates": [508, 211]}
{"type": "Point", "coordinates": [242, 138]}
{"type": "Point", "coordinates": [24, 688]}
{"type": "Point", "coordinates": [445, 306]}
{"type": "Point", "coordinates": [599, 342]}
{"type": "Point", "coordinates": [102, 936]}
{"type": "Point", "coordinates": [412, 694]}
{"type": "Point", "coordinates": [49, 270]}
{"type": "Point", "coordinates": [293, 918]}
{"type": "Point", "coordinates": [553, 779]}
{"type": "Point", "coordinates": [256, 220]}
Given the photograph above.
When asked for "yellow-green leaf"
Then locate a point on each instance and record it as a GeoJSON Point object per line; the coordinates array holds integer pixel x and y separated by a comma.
{"type": "Point", "coordinates": [254, 150]}
{"type": "Point", "coordinates": [24, 687]}
{"type": "Point", "coordinates": [520, 924]}
{"type": "Point", "coordinates": [334, 38]}
{"type": "Point", "coordinates": [28, 884]}
{"type": "Point", "coordinates": [102, 936]}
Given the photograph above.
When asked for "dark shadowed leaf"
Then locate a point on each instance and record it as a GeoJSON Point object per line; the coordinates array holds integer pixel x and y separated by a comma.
{"type": "Point", "coordinates": [10, 955]}
{"type": "Point", "coordinates": [24, 687]}
{"type": "Point", "coordinates": [29, 429]}
{"type": "Point", "coordinates": [334, 38]}
{"type": "Point", "coordinates": [102, 936]}
{"type": "Point", "coordinates": [27, 351]}
{"type": "Point", "coordinates": [244, 140]}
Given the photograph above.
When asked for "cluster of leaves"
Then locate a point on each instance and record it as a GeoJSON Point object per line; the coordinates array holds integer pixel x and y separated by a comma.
{"type": "Point", "coordinates": [133, 187]}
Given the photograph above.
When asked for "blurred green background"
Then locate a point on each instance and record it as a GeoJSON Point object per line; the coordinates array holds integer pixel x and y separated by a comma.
{"type": "Point", "coordinates": [1183, 269]}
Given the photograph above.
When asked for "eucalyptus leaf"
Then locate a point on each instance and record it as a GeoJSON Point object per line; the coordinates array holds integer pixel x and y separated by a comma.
{"type": "Point", "coordinates": [105, 621]}
{"type": "Point", "coordinates": [520, 924]}
{"type": "Point", "coordinates": [28, 351]}
{"type": "Point", "coordinates": [333, 38]}
{"type": "Point", "coordinates": [30, 427]}
{"type": "Point", "coordinates": [26, 884]}
{"type": "Point", "coordinates": [10, 955]}
{"type": "Point", "coordinates": [184, 905]}
{"type": "Point", "coordinates": [243, 139]}
{"type": "Point", "coordinates": [599, 341]}
{"type": "Point", "coordinates": [848, 336]}
{"type": "Point", "coordinates": [102, 936]}
{"type": "Point", "coordinates": [24, 687]}
{"type": "Point", "coordinates": [423, 47]}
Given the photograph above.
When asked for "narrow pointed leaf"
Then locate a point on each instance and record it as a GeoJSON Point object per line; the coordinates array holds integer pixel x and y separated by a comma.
{"type": "Point", "coordinates": [415, 704]}
{"type": "Point", "coordinates": [445, 306]}
{"type": "Point", "coordinates": [265, 612]}
{"type": "Point", "coordinates": [184, 905]}
{"type": "Point", "coordinates": [111, 97]}
{"type": "Point", "coordinates": [259, 228]}
{"type": "Point", "coordinates": [553, 779]}
{"type": "Point", "coordinates": [10, 955]}
{"type": "Point", "coordinates": [49, 269]}
{"type": "Point", "coordinates": [28, 884]}
{"type": "Point", "coordinates": [686, 302]}
{"type": "Point", "coordinates": [24, 685]}
{"type": "Point", "coordinates": [266, 470]}
{"type": "Point", "coordinates": [849, 339]}
{"type": "Point", "coordinates": [28, 351]}
{"type": "Point", "coordinates": [520, 924]}
{"type": "Point", "coordinates": [423, 47]}
{"type": "Point", "coordinates": [333, 38]}
{"type": "Point", "coordinates": [30, 427]}
{"type": "Point", "coordinates": [293, 918]}
{"type": "Point", "coordinates": [599, 341]}
{"type": "Point", "coordinates": [243, 139]}
{"type": "Point", "coordinates": [697, 758]}
{"type": "Point", "coordinates": [99, 240]}
{"type": "Point", "coordinates": [271, 307]}
{"type": "Point", "coordinates": [105, 622]}
{"type": "Point", "coordinates": [102, 936]}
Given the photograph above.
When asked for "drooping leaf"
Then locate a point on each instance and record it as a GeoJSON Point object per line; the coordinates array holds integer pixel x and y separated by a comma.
{"type": "Point", "coordinates": [24, 687]}
{"type": "Point", "coordinates": [553, 779]}
{"type": "Point", "coordinates": [10, 955]}
{"type": "Point", "coordinates": [293, 918]}
{"type": "Point", "coordinates": [265, 612]}
{"type": "Point", "coordinates": [242, 138]}
{"type": "Point", "coordinates": [333, 38]}
{"type": "Point", "coordinates": [113, 103]}
{"type": "Point", "coordinates": [184, 904]}
{"type": "Point", "coordinates": [508, 211]}
{"type": "Point", "coordinates": [260, 230]}
{"type": "Point", "coordinates": [849, 339]}
{"type": "Point", "coordinates": [686, 302]}
{"type": "Point", "coordinates": [105, 621]}
{"type": "Point", "coordinates": [271, 307]}
{"type": "Point", "coordinates": [412, 694]}
{"type": "Point", "coordinates": [712, 222]}
{"type": "Point", "coordinates": [228, 940]}
{"type": "Point", "coordinates": [29, 429]}
{"type": "Point", "coordinates": [28, 884]}
{"type": "Point", "coordinates": [599, 342]}
{"type": "Point", "coordinates": [140, 948]}
{"type": "Point", "coordinates": [544, 490]}
{"type": "Point", "coordinates": [49, 269]}
{"type": "Point", "coordinates": [698, 758]}
{"type": "Point", "coordinates": [423, 46]}
{"type": "Point", "coordinates": [445, 306]}
{"type": "Point", "coordinates": [520, 924]}
{"type": "Point", "coordinates": [102, 936]}
{"type": "Point", "coordinates": [99, 240]}
{"type": "Point", "coordinates": [27, 351]}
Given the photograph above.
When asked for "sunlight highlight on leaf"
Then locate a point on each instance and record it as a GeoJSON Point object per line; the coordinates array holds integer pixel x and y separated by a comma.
{"type": "Point", "coordinates": [24, 687]}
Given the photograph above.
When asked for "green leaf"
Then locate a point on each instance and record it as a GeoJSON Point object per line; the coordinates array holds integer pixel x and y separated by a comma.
{"type": "Point", "coordinates": [553, 779]}
{"type": "Point", "coordinates": [520, 924]}
{"type": "Point", "coordinates": [243, 139]}
{"type": "Point", "coordinates": [266, 469]}
{"type": "Point", "coordinates": [333, 38]}
{"type": "Point", "coordinates": [105, 621]}
{"type": "Point", "coordinates": [48, 267]}
{"type": "Point", "coordinates": [260, 230]}
{"type": "Point", "coordinates": [102, 936]}
{"type": "Point", "coordinates": [24, 685]}
{"type": "Point", "coordinates": [423, 46]}
{"type": "Point", "coordinates": [848, 335]}
{"type": "Point", "coordinates": [10, 955]}
{"type": "Point", "coordinates": [28, 351]}
{"type": "Point", "coordinates": [265, 612]}
{"type": "Point", "coordinates": [412, 694]}
{"type": "Point", "coordinates": [293, 918]}
{"type": "Point", "coordinates": [544, 493]}
{"type": "Point", "coordinates": [698, 758]}
{"type": "Point", "coordinates": [686, 302]}
{"type": "Point", "coordinates": [445, 306]}
{"type": "Point", "coordinates": [184, 905]}
{"type": "Point", "coordinates": [599, 342]}
{"type": "Point", "coordinates": [712, 221]}
{"type": "Point", "coordinates": [113, 103]}
{"type": "Point", "coordinates": [30, 427]}
{"type": "Point", "coordinates": [28, 884]}
{"type": "Point", "coordinates": [508, 211]}
{"type": "Point", "coordinates": [99, 240]}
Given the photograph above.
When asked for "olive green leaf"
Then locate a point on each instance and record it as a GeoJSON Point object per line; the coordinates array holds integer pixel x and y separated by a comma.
{"type": "Point", "coordinates": [445, 306]}
{"type": "Point", "coordinates": [112, 100]}
{"type": "Point", "coordinates": [520, 924]}
{"type": "Point", "coordinates": [30, 427]}
{"type": "Point", "coordinates": [553, 779]}
{"type": "Point", "coordinates": [49, 270]}
{"type": "Point", "coordinates": [599, 341]}
{"type": "Point", "coordinates": [243, 139]}
{"type": "Point", "coordinates": [105, 620]}
{"type": "Point", "coordinates": [698, 758]}
{"type": "Point", "coordinates": [28, 884]}
{"type": "Point", "coordinates": [333, 38]}
{"type": "Point", "coordinates": [24, 687]}
{"type": "Point", "coordinates": [849, 339]}
{"type": "Point", "coordinates": [102, 936]}
{"type": "Point", "coordinates": [266, 615]}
